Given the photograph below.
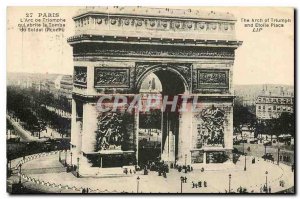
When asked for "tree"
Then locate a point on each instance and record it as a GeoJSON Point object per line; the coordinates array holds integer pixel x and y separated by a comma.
{"type": "Point", "coordinates": [242, 116]}
{"type": "Point", "coordinates": [285, 124]}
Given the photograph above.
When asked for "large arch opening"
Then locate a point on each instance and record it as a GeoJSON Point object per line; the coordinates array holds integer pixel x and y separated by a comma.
{"type": "Point", "coordinates": [158, 129]}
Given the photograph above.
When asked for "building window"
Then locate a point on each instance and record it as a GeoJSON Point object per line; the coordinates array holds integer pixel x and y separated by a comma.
{"type": "Point", "coordinates": [274, 108]}
{"type": "Point", "coordinates": [259, 107]}
{"type": "Point", "coordinates": [264, 107]}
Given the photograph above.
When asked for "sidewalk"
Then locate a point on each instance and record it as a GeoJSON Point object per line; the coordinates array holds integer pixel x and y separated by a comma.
{"type": "Point", "coordinates": [51, 133]}
{"type": "Point", "coordinates": [24, 135]}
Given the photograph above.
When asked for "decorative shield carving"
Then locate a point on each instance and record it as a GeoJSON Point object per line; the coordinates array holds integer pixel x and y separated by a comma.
{"type": "Point", "coordinates": [80, 76]}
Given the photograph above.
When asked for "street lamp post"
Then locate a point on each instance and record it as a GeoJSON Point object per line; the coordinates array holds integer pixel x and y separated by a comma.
{"type": "Point", "coordinates": [229, 189]}
{"type": "Point", "coordinates": [265, 152]}
{"type": "Point", "coordinates": [71, 157]}
{"type": "Point", "coordinates": [78, 167]}
{"type": "Point", "coordinates": [65, 157]}
{"type": "Point", "coordinates": [243, 143]}
{"type": "Point", "coordinates": [138, 183]}
{"type": "Point", "coordinates": [181, 181]}
{"type": "Point", "coordinates": [278, 156]}
{"type": "Point", "coordinates": [245, 168]}
{"type": "Point", "coordinates": [266, 181]}
{"type": "Point", "coordinates": [185, 156]}
{"type": "Point", "coordinates": [59, 158]}
{"type": "Point", "coordinates": [78, 163]}
{"type": "Point", "coordinates": [20, 179]}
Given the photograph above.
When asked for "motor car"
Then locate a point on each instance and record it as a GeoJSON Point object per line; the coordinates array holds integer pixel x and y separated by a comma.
{"type": "Point", "coordinates": [255, 141]}
{"type": "Point", "coordinates": [236, 142]}
{"type": "Point", "coordinates": [267, 143]}
{"type": "Point", "coordinates": [268, 156]}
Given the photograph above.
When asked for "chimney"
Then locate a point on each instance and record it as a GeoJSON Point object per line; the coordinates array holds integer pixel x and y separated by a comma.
{"type": "Point", "coordinates": [281, 90]}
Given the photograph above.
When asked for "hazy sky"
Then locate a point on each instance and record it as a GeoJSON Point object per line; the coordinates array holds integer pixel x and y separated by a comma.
{"type": "Point", "coordinates": [264, 57]}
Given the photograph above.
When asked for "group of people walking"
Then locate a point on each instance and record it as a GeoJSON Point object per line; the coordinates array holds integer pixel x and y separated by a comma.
{"type": "Point", "coordinates": [199, 184]}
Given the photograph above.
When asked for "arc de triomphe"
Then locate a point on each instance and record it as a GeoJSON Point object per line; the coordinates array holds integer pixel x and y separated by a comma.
{"type": "Point", "coordinates": [191, 52]}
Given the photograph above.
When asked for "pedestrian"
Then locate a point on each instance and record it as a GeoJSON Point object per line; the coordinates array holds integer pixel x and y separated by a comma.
{"type": "Point", "coordinates": [269, 189]}
{"type": "Point", "coordinates": [179, 169]}
{"type": "Point", "coordinates": [165, 174]}
{"type": "Point", "coordinates": [185, 179]}
{"type": "Point", "coordinates": [205, 184]}
{"type": "Point", "coordinates": [200, 183]}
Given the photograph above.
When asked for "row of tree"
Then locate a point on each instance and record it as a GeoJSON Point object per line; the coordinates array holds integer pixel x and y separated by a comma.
{"type": "Point", "coordinates": [242, 116]}
{"type": "Point", "coordinates": [28, 106]}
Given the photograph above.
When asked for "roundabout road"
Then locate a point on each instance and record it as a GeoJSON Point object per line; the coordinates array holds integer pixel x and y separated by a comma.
{"type": "Point", "coordinates": [46, 171]}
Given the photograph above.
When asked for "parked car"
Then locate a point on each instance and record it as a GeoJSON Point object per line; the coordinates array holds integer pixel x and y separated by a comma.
{"type": "Point", "coordinates": [267, 143]}
{"type": "Point", "coordinates": [268, 156]}
{"type": "Point", "coordinates": [255, 141]}
{"type": "Point", "coordinates": [236, 142]}
{"type": "Point", "coordinates": [244, 141]}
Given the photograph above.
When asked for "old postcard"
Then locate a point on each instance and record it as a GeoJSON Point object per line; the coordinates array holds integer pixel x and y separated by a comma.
{"type": "Point", "coordinates": [150, 100]}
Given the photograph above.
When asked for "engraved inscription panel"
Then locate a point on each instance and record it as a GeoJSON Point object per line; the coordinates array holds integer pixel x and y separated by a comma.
{"type": "Point", "coordinates": [209, 78]}
{"type": "Point", "coordinates": [112, 77]}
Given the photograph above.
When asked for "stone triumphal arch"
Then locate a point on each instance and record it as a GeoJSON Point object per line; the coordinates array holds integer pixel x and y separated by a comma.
{"type": "Point", "coordinates": [190, 51]}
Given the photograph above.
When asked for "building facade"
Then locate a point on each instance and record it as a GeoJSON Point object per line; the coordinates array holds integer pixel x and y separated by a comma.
{"type": "Point", "coordinates": [191, 52]}
{"type": "Point", "coordinates": [273, 105]}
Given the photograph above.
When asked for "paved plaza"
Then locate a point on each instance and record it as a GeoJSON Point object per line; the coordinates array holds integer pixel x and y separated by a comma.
{"type": "Point", "coordinates": [49, 170]}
